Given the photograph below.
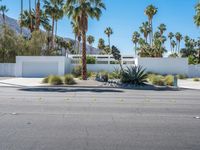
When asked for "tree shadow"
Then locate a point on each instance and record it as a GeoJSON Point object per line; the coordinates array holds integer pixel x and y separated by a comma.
{"type": "Point", "coordinates": [68, 90]}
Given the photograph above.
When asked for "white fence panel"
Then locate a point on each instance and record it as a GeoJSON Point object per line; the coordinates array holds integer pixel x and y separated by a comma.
{"type": "Point", "coordinates": [7, 69]}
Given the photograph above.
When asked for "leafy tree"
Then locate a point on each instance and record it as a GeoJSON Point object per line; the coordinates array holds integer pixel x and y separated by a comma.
{"type": "Point", "coordinates": [117, 56]}
{"type": "Point", "coordinates": [83, 10]}
{"type": "Point", "coordinates": [8, 45]}
{"type": "Point", "coordinates": [37, 43]}
{"type": "Point", "coordinates": [108, 32]}
{"type": "Point", "coordinates": [90, 40]}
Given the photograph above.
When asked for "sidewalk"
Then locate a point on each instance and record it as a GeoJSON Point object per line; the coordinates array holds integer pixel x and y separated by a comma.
{"type": "Point", "coordinates": [189, 84]}
{"type": "Point", "coordinates": [21, 82]}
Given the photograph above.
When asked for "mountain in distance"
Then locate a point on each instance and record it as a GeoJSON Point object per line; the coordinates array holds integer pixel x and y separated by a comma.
{"type": "Point", "coordinates": [14, 25]}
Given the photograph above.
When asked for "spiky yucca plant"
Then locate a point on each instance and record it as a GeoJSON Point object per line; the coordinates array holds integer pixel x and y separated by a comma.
{"type": "Point", "coordinates": [134, 75]}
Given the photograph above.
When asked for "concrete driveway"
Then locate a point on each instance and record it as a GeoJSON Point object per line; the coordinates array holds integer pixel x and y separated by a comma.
{"type": "Point", "coordinates": [98, 119]}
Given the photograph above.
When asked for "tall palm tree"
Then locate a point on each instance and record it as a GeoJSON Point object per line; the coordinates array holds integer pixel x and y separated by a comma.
{"type": "Point", "coordinates": [38, 13]}
{"type": "Point", "coordinates": [22, 9]}
{"type": "Point", "coordinates": [173, 43]}
{"type": "Point", "coordinates": [135, 40]}
{"type": "Point", "coordinates": [179, 37]}
{"type": "Point", "coordinates": [28, 20]}
{"type": "Point", "coordinates": [171, 36]}
{"type": "Point", "coordinates": [90, 40]}
{"type": "Point", "coordinates": [145, 30]}
{"type": "Point", "coordinates": [59, 14]}
{"type": "Point", "coordinates": [162, 28]}
{"type": "Point", "coordinates": [108, 32]}
{"type": "Point", "coordinates": [150, 12]}
{"type": "Point", "coordinates": [84, 9]}
{"type": "Point", "coordinates": [197, 15]}
{"type": "Point", "coordinates": [76, 35]}
{"type": "Point", "coordinates": [101, 45]}
{"type": "Point", "coordinates": [3, 10]}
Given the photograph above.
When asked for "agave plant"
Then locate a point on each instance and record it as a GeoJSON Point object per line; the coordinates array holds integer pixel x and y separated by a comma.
{"type": "Point", "coordinates": [134, 75]}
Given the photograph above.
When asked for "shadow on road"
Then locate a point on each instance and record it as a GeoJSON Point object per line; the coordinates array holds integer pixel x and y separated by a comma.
{"type": "Point", "coordinates": [63, 90]}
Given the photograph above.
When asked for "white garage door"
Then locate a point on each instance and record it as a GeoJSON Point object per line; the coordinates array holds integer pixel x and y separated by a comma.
{"type": "Point", "coordinates": [39, 69]}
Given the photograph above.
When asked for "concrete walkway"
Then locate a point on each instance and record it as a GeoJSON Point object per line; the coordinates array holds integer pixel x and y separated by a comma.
{"type": "Point", "coordinates": [189, 84]}
{"type": "Point", "coordinates": [20, 82]}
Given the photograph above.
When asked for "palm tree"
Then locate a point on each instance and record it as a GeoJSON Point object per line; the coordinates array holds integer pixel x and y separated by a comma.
{"type": "Point", "coordinates": [173, 44]}
{"type": "Point", "coordinates": [135, 40]}
{"type": "Point", "coordinates": [197, 15]}
{"type": "Point", "coordinates": [90, 40]}
{"type": "Point", "coordinates": [179, 37]}
{"type": "Point", "coordinates": [83, 9]}
{"type": "Point", "coordinates": [76, 34]}
{"type": "Point", "coordinates": [170, 36]}
{"type": "Point", "coordinates": [101, 45]}
{"type": "Point", "coordinates": [28, 20]}
{"type": "Point", "coordinates": [22, 3]}
{"type": "Point", "coordinates": [162, 28]}
{"type": "Point", "coordinates": [59, 14]}
{"type": "Point", "coordinates": [53, 9]}
{"type": "Point", "coordinates": [3, 10]}
{"type": "Point", "coordinates": [38, 12]}
{"type": "Point", "coordinates": [145, 30]}
{"type": "Point", "coordinates": [150, 11]}
{"type": "Point", "coordinates": [108, 32]}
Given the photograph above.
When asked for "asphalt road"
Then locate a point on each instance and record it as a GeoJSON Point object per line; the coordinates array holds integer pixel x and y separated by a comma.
{"type": "Point", "coordinates": [98, 119]}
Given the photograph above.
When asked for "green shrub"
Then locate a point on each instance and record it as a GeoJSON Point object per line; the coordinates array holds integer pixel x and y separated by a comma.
{"type": "Point", "coordinates": [169, 80]}
{"type": "Point", "coordinates": [91, 74]}
{"type": "Point", "coordinates": [157, 80]}
{"type": "Point", "coordinates": [46, 79]}
{"type": "Point", "coordinates": [77, 71]}
{"type": "Point", "coordinates": [134, 75]}
{"type": "Point", "coordinates": [90, 60]}
{"type": "Point", "coordinates": [102, 76]}
{"type": "Point", "coordinates": [181, 76]}
{"type": "Point", "coordinates": [116, 74]}
{"type": "Point", "coordinates": [196, 79]}
{"type": "Point", "coordinates": [69, 79]}
{"type": "Point", "coordinates": [55, 80]}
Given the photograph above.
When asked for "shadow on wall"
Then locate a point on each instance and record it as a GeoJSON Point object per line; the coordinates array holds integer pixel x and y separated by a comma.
{"type": "Point", "coordinates": [63, 90]}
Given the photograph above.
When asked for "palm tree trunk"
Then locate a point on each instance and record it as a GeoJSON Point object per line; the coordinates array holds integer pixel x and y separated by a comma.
{"type": "Point", "coordinates": [79, 46]}
{"type": "Point", "coordinates": [4, 19]}
{"type": "Point", "coordinates": [21, 16]}
{"type": "Point", "coordinates": [52, 34]}
{"type": "Point", "coordinates": [75, 37]}
{"type": "Point", "coordinates": [84, 65]}
{"type": "Point", "coordinates": [31, 14]}
{"type": "Point", "coordinates": [109, 41]}
{"type": "Point", "coordinates": [56, 28]}
{"type": "Point", "coordinates": [135, 49]}
{"type": "Point", "coordinates": [37, 19]}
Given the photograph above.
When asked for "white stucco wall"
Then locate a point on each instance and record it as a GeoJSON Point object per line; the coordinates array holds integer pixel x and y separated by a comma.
{"type": "Point", "coordinates": [7, 69]}
{"type": "Point", "coordinates": [194, 71]}
{"type": "Point", "coordinates": [40, 66]}
{"type": "Point", "coordinates": [164, 65]}
{"type": "Point", "coordinates": [102, 67]}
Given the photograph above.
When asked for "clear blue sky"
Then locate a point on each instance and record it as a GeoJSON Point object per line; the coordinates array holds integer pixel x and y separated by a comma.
{"type": "Point", "coordinates": [125, 17]}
